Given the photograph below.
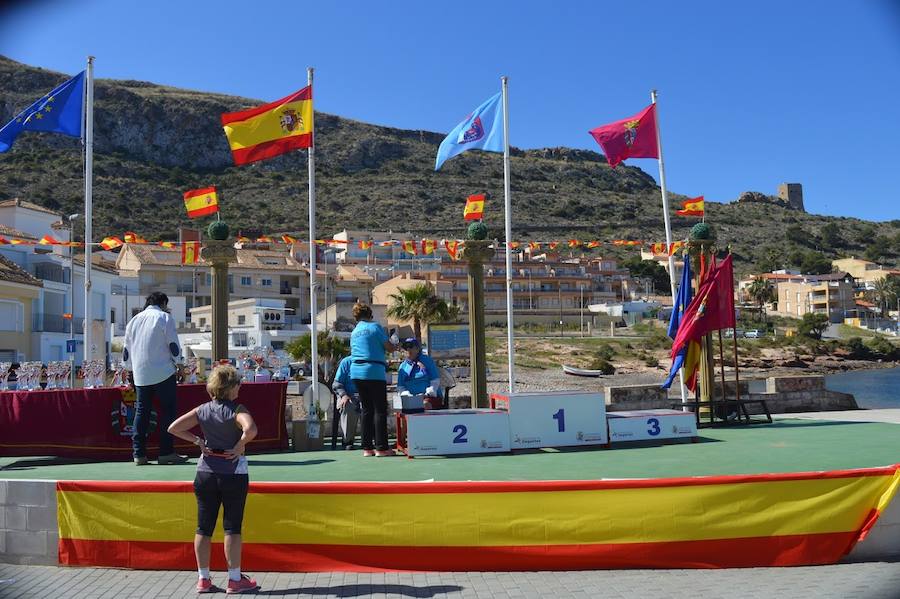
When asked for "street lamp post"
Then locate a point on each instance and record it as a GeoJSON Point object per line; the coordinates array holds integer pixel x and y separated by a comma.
{"type": "Point", "coordinates": [71, 218]}
{"type": "Point", "coordinates": [581, 308]}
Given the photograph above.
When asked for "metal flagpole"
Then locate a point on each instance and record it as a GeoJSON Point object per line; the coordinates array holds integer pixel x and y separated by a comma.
{"type": "Point", "coordinates": [665, 203]}
{"type": "Point", "coordinates": [507, 209]}
{"type": "Point", "coordinates": [88, 203]}
{"type": "Point", "coordinates": [313, 312]}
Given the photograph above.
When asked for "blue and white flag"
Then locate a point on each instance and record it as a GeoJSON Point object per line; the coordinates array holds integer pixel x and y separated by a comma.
{"type": "Point", "coordinates": [60, 111]}
{"type": "Point", "coordinates": [682, 301]}
{"type": "Point", "coordinates": [481, 130]}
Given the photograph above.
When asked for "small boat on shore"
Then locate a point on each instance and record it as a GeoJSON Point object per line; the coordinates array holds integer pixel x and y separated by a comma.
{"type": "Point", "coordinates": [580, 371]}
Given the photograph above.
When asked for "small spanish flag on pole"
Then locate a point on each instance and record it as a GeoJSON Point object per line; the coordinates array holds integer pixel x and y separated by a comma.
{"type": "Point", "coordinates": [271, 129]}
{"type": "Point", "coordinates": [474, 207]}
{"type": "Point", "coordinates": [201, 202]}
{"type": "Point", "coordinates": [190, 252]}
{"type": "Point", "coordinates": [692, 207]}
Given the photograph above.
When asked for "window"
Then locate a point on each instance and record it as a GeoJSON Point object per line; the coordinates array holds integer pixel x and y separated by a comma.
{"type": "Point", "coordinates": [246, 281]}
{"type": "Point", "coordinates": [202, 322]}
{"type": "Point", "coordinates": [265, 282]}
{"type": "Point", "coordinates": [240, 339]}
{"type": "Point", "coordinates": [12, 316]}
{"type": "Point", "coordinates": [242, 319]}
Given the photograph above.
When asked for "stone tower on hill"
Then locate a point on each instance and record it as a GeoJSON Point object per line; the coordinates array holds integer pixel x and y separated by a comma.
{"type": "Point", "coordinates": [792, 193]}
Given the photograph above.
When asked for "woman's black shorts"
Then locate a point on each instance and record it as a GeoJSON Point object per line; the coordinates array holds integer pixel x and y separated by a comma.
{"type": "Point", "coordinates": [227, 490]}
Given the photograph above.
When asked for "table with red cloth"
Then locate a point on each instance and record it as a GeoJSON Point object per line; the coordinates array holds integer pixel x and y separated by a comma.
{"type": "Point", "coordinates": [95, 423]}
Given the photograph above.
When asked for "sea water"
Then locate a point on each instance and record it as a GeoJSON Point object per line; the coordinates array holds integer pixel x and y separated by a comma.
{"type": "Point", "coordinates": [878, 388]}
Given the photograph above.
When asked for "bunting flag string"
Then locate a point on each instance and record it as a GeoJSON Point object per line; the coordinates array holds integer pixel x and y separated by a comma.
{"type": "Point", "coordinates": [413, 247]}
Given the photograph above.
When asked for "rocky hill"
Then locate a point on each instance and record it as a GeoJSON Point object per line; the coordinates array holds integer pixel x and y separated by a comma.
{"type": "Point", "coordinates": [153, 142]}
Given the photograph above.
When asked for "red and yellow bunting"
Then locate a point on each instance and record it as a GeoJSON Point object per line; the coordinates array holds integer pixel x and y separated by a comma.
{"type": "Point", "coordinates": [717, 522]}
{"type": "Point", "coordinates": [429, 246]}
{"type": "Point", "coordinates": [453, 248]}
{"type": "Point", "coordinates": [410, 247]}
{"type": "Point", "coordinates": [365, 244]}
{"type": "Point", "coordinates": [111, 243]}
{"type": "Point", "coordinates": [271, 129]}
{"type": "Point", "coordinates": [288, 239]}
{"type": "Point", "coordinates": [131, 237]}
{"type": "Point", "coordinates": [201, 202]}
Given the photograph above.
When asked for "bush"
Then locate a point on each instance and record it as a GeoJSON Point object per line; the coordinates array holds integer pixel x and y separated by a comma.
{"type": "Point", "coordinates": [813, 325]}
{"type": "Point", "coordinates": [605, 352]}
{"type": "Point", "coordinates": [651, 361]}
{"type": "Point", "coordinates": [602, 365]}
{"type": "Point", "coordinates": [884, 348]}
{"type": "Point", "coordinates": [858, 349]}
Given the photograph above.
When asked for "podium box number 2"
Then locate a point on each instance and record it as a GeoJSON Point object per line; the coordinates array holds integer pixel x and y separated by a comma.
{"type": "Point", "coordinates": [554, 418]}
{"type": "Point", "coordinates": [648, 425]}
{"type": "Point", "coordinates": [453, 432]}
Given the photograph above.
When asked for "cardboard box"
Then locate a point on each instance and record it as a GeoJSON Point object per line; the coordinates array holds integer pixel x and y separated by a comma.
{"type": "Point", "coordinates": [301, 439]}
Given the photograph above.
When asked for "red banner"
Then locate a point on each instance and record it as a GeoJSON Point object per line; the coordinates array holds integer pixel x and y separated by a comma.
{"type": "Point", "coordinates": [95, 423]}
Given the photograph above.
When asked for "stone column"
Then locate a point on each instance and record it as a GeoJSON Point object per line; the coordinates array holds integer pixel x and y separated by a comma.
{"type": "Point", "coordinates": [218, 253]}
{"type": "Point", "coordinates": [475, 253]}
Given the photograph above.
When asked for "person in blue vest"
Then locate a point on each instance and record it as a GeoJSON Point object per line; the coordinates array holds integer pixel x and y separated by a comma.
{"type": "Point", "coordinates": [368, 346]}
{"type": "Point", "coordinates": [347, 401]}
{"type": "Point", "coordinates": [418, 374]}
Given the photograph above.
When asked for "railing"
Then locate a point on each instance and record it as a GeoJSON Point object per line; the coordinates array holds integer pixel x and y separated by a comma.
{"type": "Point", "coordinates": [42, 322]}
{"type": "Point", "coordinates": [51, 272]}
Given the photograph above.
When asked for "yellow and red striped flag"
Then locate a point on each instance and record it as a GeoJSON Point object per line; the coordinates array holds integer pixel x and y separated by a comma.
{"type": "Point", "coordinates": [167, 244]}
{"type": "Point", "coordinates": [514, 245]}
{"type": "Point", "coordinates": [675, 247]}
{"type": "Point", "coordinates": [111, 243]}
{"type": "Point", "coordinates": [474, 209]}
{"type": "Point", "coordinates": [429, 246]}
{"type": "Point", "coordinates": [271, 129]}
{"type": "Point", "coordinates": [574, 243]}
{"type": "Point", "coordinates": [365, 244]}
{"type": "Point", "coordinates": [21, 242]}
{"type": "Point", "coordinates": [553, 245]}
{"type": "Point", "coordinates": [288, 239]}
{"type": "Point", "coordinates": [410, 247]}
{"type": "Point", "coordinates": [593, 244]}
{"type": "Point", "coordinates": [48, 240]}
{"type": "Point", "coordinates": [190, 252]}
{"type": "Point", "coordinates": [692, 207]}
{"type": "Point", "coordinates": [452, 249]}
{"type": "Point", "coordinates": [131, 237]}
{"type": "Point", "coordinates": [534, 245]}
{"type": "Point", "coordinates": [200, 202]}
{"type": "Point", "coordinates": [264, 239]}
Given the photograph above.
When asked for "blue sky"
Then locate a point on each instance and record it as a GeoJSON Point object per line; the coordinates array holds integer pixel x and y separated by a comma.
{"type": "Point", "coordinates": [751, 94]}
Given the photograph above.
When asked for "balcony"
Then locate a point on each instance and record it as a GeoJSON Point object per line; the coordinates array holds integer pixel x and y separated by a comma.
{"type": "Point", "coordinates": [42, 322]}
{"type": "Point", "coordinates": [52, 272]}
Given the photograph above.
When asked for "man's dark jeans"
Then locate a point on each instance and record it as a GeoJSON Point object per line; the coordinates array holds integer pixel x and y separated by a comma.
{"type": "Point", "coordinates": [165, 392]}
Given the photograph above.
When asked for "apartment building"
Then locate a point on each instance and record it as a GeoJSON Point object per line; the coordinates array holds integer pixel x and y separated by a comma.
{"type": "Point", "coordinates": [830, 294]}
{"type": "Point", "coordinates": [18, 293]}
{"type": "Point", "coordinates": [258, 273]}
{"type": "Point", "coordinates": [57, 313]}
{"type": "Point", "coordinates": [864, 271]}
{"type": "Point", "coordinates": [384, 262]}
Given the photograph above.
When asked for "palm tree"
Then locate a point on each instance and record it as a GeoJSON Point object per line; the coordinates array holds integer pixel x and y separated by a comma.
{"type": "Point", "coordinates": [884, 294]}
{"type": "Point", "coordinates": [330, 349]}
{"type": "Point", "coordinates": [762, 293]}
{"type": "Point", "coordinates": [420, 305]}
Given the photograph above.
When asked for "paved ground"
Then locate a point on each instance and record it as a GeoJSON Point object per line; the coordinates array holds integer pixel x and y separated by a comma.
{"type": "Point", "coordinates": [860, 581]}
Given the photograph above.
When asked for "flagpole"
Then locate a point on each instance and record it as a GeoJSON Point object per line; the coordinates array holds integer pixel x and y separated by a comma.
{"type": "Point", "coordinates": [665, 203]}
{"type": "Point", "coordinates": [88, 203]}
{"type": "Point", "coordinates": [507, 209]}
{"type": "Point", "coordinates": [313, 311]}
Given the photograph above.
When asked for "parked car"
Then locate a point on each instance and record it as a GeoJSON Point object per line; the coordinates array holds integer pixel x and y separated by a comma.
{"type": "Point", "coordinates": [753, 334]}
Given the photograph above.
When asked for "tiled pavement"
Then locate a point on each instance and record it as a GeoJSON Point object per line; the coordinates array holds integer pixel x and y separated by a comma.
{"type": "Point", "coordinates": [877, 580]}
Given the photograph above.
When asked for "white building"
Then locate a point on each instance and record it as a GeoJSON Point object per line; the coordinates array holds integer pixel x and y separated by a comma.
{"type": "Point", "coordinates": [59, 308]}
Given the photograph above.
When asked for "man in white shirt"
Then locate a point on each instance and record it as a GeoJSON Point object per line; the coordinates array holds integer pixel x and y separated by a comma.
{"type": "Point", "coordinates": [150, 352]}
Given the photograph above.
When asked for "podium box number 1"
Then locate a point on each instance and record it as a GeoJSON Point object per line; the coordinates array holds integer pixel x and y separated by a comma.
{"type": "Point", "coordinates": [554, 418]}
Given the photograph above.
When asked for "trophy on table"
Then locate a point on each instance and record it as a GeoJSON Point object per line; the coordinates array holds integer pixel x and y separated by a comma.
{"type": "Point", "coordinates": [119, 379]}
{"type": "Point", "coordinates": [5, 371]}
{"type": "Point", "coordinates": [191, 371]}
{"type": "Point", "coordinates": [258, 355]}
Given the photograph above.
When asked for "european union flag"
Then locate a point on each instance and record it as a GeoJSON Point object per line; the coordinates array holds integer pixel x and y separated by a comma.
{"type": "Point", "coordinates": [682, 301]}
{"type": "Point", "coordinates": [60, 111]}
{"type": "Point", "coordinates": [481, 130]}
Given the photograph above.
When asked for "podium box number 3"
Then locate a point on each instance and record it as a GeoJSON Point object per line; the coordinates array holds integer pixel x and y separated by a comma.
{"type": "Point", "coordinates": [554, 418]}
{"type": "Point", "coordinates": [648, 425]}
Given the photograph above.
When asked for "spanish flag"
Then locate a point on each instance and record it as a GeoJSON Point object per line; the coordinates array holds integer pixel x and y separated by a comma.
{"type": "Point", "coordinates": [452, 249]}
{"type": "Point", "coordinates": [410, 247]}
{"type": "Point", "coordinates": [593, 244]}
{"type": "Point", "coordinates": [574, 243]}
{"type": "Point", "coordinates": [365, 244]}
{"type": "Point", "coordinates": [190, 252]}
{"type": "Point", "coordinates": [288, 239]}
{"type": "Point", "coordinates": [474, 207]}
{"type": "Point", "coordinates": [48, 240]}
{"type": "Point", "coordinates": [429, 246]}
{"type": "Point", "coordinates": [131, 237]}
{"type": "Point", "coordinates": [272, 129]}
{"type": "Point", "coordinates": [201, 202]}
{"type": "Point", "coordinates": [692, 207]}
{"type": "Point", "coordinates": [553, 245]}
{"type": "Point", "coordinates": [534, 245]}
{"type": "Point", "coordinates": [111, 243]}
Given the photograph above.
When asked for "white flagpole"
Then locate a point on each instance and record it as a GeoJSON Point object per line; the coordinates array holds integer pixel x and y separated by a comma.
{"type": "Point", "coordinates": [507, 209]}
{"type": "Point", "coordinates": [88, 202]}
{"type": "Point", "coordinates": [313, 310]}
{"type": "Point", "coordinates": [665, 203]}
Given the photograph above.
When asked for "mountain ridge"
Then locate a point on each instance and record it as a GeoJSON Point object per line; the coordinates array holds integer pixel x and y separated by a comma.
{"type": "Point", "coordinates": [153, 142]}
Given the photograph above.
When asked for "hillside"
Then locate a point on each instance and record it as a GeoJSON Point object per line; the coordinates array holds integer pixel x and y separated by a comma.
{"type": "Point", "coordinates": [153, 142]}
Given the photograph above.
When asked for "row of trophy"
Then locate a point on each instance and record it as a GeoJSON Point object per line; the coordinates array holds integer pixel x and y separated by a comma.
{"type": "Point", "coordinates": [252, 365]}
{"type": "Point", "coordinates": [29, 375]}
